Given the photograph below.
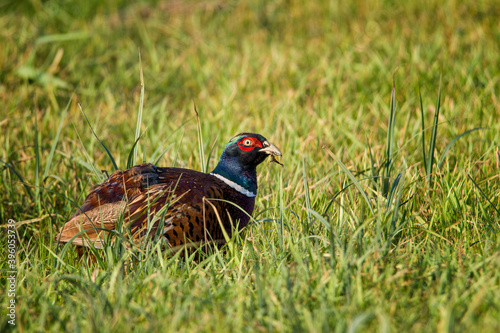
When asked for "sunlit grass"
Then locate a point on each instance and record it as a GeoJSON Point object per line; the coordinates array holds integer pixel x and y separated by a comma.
{"type": "Point", "coordinates": [384, 217]}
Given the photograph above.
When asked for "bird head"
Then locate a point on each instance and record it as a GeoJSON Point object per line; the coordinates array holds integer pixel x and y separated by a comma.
{"type": "Point", "coordinates": [251, 149]}
{"type": "Point", "coordinates": [241, 156]}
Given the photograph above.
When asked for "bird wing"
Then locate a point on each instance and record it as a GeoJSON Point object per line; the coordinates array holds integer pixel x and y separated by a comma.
{"type": "Point", "coordinates": [149, 200]}
{"type": "Point", "coordinates": [120, 186]}
{"type": "Point", "coordinates": [104, 205]}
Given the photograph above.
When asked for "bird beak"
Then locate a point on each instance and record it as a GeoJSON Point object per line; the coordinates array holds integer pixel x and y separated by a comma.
{"type": "Point", "coordinates": [270, 149]}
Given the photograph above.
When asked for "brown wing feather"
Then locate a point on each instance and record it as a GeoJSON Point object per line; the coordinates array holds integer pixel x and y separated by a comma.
{"type": "Point", "coordinates": [92, 223]}
{"type": "Point", "coordinates": [105, 203]}
{"type": "Point", "coordinates": [120, 185]}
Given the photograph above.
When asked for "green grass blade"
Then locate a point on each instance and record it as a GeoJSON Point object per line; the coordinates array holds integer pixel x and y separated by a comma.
{"type": "Point", "coordinates": [81, 162]}
{"type": "Point", "coordinates": [390, 139]}
{"type": "Point", "coordinates": [200, 142]}
{"type": "Point", "coordinates": [159, 152]}
{"type": "Point", "coordinates": [351, 177]}
{"type": "Point", "coordinates": [102, 144]}
{"type": "Point", "coordinates": [210, 153]}
{"type": "Point", "coordinates": [390, 126]}
{"type": "Point", "coordinates": [157, 156]}
{"type": "Point", "coordinates": [432, 143]}
{"type": "Point", "coordinates": [56, 140]}
{"type": "Point", "coordinates": [374, 170]}
{"type": "Point", "coordinates": [62, 37]}
{"type": "Point", "coordinates": [131, 159]}
{"type": "Point", "coordinates": [452, 143]}
{"type": "Point", "coordinates": [37, 165]}
{"type": "Point", "coordinates": [393, 190]}
{"type": "Point", "coordinates": [178, 150]}
{"type": "Point", "coordinates": [483, 194]}
{"type": "Point", "coordinates": [139, 118]}
{"type": "Point", "coordinates": [423, 130]}
{"type": "Point", "coordinates": [18, 175]}
{"type": "Point", "coordinates": [282, 209]}
{"type": "Point", "coordinates": [306, 194]}
{"type": "Point", "coordinates": [97, 173]}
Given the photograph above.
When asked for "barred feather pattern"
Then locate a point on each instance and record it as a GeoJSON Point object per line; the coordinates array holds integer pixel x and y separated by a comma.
{"type": "Point", "coordinates": [191, 208]}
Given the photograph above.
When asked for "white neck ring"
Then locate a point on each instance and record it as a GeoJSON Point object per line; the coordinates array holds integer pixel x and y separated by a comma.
{"type": "Point", "coordinates": [235, 186]}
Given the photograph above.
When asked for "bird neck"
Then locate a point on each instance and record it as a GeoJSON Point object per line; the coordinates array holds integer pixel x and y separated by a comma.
{"type": "Point", "coordinates": [243, 177]}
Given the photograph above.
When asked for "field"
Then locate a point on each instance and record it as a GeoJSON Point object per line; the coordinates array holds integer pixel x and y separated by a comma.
{"type": "Point", "coordinates": [385, 216]}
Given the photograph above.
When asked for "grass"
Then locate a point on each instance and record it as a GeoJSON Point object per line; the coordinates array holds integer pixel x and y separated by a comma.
{"type": "Point", "coordinates": [385, 216]}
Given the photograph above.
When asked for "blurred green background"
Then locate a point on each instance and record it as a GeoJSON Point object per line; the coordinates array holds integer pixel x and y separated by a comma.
{"type": "Point", "coordinates": [305, 74]}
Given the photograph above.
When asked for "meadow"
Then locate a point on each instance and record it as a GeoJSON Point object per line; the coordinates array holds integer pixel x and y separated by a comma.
{"type": "Point", "coordinates": [384, 218]}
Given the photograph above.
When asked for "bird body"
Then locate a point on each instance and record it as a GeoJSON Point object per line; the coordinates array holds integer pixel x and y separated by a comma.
{"type": "Point", "coordinates": [184, 206]}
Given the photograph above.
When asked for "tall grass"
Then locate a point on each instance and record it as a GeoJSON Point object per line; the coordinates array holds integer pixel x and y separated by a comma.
{"type": "Point", "coordinates": [376, 222]}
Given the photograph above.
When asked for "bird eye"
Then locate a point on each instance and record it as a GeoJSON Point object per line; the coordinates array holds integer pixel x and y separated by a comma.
{"type": "Point", "coordinates": [247, 142]}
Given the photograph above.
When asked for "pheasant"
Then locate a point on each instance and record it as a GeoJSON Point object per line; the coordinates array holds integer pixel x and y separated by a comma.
{"type": "Point", "coordinates": [185, 207]}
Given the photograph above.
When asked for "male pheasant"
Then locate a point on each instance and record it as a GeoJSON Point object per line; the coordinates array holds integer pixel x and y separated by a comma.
{"type": "Point", "coordinates": [185, 207]}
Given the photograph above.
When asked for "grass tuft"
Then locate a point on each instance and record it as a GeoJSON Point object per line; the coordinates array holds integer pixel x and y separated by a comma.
{"type": "Point", "coordinates": [393, 227]}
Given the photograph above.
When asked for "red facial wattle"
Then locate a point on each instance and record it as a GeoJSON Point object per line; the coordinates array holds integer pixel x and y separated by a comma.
{"type": "Point", "coordinates": [249, 143]}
